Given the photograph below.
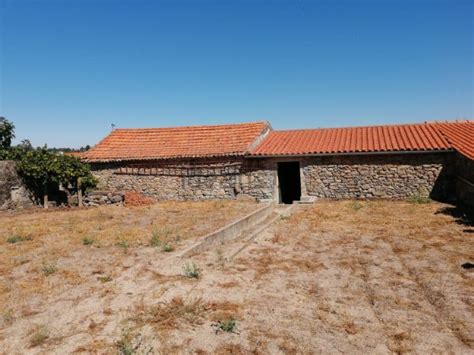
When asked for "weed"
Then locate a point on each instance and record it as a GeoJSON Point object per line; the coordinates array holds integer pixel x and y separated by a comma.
{"type": "Point", "coordinates": [17, 239]}
{"type": "Point", "coordinates": [228, 326]}
{"type": "Point", "coordinates": [8, 316]}
{"type": "Point", "coordinates": [168, 314]}
{"type": "Point", "coordinates": [168, 248]}
{"type": "Point", "coordinates": [356, 205]}
{"type": "Point", "coordinates": [419, 198]}
{"type": "Point", "coordinates": [123, 244]}
{"type": "Point", "coordinates": [87, 241]}
{"type": "Point", "coordinates": [191, 271]}
{"type": "Point", "coordinates": [155, 240]}
{"type": "Point", "coordinates": [48, 268]}
{"type": "Point", "coordinates": [130, 343]}
{"type": "Point", "coordinates": [104, 279]}
{"type": "Point", "coordinates": [39, 336]}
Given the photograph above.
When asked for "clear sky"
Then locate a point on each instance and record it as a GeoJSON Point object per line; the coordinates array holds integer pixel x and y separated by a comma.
{"type": "Point", "coordinates": [68, 69]}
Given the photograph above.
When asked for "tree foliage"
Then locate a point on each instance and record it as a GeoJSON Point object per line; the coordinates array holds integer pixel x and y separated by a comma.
{"type": "Point", "coordinates": [42, 169]}
{"type": "Point", "coordinates": [7, 133]}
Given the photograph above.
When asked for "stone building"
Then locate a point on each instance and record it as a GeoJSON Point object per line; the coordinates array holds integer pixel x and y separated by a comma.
{"type": "Point", "coordinates": [252, 159]}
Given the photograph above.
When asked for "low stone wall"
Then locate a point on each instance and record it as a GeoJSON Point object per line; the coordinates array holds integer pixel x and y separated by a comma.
{"type": "Point", "coordinates": [13, 193]}
{"type": "Point", "coordinates": [97, 198]}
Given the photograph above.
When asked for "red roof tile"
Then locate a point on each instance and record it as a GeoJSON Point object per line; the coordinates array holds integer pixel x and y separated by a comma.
{"type": "Point", "coordinates": [460, 135]}
{"type": "Point", "coordinates": [409, 137]}
{"type": "Point", "coordinates": [176, 142]}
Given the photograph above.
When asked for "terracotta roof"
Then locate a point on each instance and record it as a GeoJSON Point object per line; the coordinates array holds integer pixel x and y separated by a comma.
{"type": "Point", "coordinates": [460, 135]}
{"type": "Point", "coordinates": [177, 142]}
{"type": "Point", "coordinates": [409, 137]}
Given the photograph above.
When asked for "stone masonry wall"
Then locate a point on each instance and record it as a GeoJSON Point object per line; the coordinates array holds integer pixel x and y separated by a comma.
{"type": "Point", "coordinates": [350, 176]}
{"type": "Point", "coordinates": [379, 176]}
{"type": "Point", "coordinates": [177, 180]}
{"type": "Point", "coordinates": [13, 193]}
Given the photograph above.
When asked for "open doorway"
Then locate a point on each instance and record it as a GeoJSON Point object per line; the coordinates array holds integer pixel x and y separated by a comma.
{"type": "Point", "coordinates": [289, 181]}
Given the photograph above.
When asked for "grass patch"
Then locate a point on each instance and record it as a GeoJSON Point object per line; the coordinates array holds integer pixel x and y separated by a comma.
{"type": "Point", "coordinates": [123, 244]}
{"type": "Point", "coordinates": [48, 268]}
{"type": "Point", "coordinates": [419, 199]}
{"type": "Point", "coordinates": [8, 317]}
{"type": "Point", "coordinates": [191, 271]}
{"type": "Point", "coordinates": [170, 314]}
{"type": "Point", "coordinates": [39, 336]}
{"type": "Point", "coordinates": [356, 205]}
{"type": "Point", "coordinates": [228, 326]}
{"type": "Point", "coordinates": [168, 248]}
{"type": "Point", "coordinates": [18, 239]}
{"type": "Point", "coordinates": [131, 343]}
{"type": "Point", "coordinates": [87, 241]}
{"type": "Point", "coordinates": [104, 279]}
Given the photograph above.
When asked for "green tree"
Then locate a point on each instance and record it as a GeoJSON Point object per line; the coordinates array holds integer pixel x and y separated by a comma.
{"type": "Point", "coordinates": [7, 133]}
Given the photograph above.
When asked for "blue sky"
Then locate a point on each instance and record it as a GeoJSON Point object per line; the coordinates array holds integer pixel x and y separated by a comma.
{"type": "Point", "coordinates": [68, 69]}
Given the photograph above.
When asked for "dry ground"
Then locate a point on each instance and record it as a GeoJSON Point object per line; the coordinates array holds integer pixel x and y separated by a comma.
{"type": "Point", "coordinates": [352, 277]}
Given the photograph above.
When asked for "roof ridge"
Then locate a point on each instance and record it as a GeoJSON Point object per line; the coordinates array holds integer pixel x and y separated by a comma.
{"type": "Point", "coordinates": [350, 127]}
{"type": "Point", "coordinates": [192, 126]}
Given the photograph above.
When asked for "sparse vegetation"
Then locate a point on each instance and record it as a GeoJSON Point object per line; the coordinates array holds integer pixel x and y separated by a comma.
{"type": "Point", "coordinates": [356, 205]}
{"type": "Point", "coordinates": [87, 241]}
{"type": "Point", "coordinates": [325, 270]}
{"type": "Point", "coordinates": [131, 343]}
{"type": "Point", "coordinates": [191, 270]}
{"type": "Point", "coordinates": [123, 244]}
{"type": "Point", "coordinates": [419, 198]}
{"type": "Point", "coordinates": [227, 325]}
{"type": "Point", "coordinates": [48, 268]}
{"type": "Point", "coordinates": [169, 314]}
{"type": "Point", "coordinates": [8, 316]}
{"type": "Point", "coordinates": [167, 248]}
{"type": "Point", "coordinates": [18, 239]}
{"type": "Point", "coordinates": [39, 335]}
{"type": "Point", "coordinates": [104, 279]}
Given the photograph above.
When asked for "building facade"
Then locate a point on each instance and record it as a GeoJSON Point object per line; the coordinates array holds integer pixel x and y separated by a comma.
{"type": "Point", "coordinates": [252, 160]}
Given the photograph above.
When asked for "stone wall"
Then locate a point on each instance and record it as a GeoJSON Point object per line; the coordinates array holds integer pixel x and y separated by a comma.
{"type": "Point", "coordinates": [379, 176]}
{"type": "Point", "coordinates": [357, 176]}
{"type": "Point", "coordinates": [13, 193]}
{"type": "Point", "coordinates": [173, 180]}
{"type": "Point", "coordinates": [349, 176]}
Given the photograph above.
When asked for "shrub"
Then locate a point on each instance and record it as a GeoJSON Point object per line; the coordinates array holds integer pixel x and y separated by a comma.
{"type": "Point", "coordinates": [356, 205]}
{"type": "Point", "coordinates": [191, 271]}
{"type": "Point", "coordinates": [17, 239]}
{"type": "Point", "coordinates": [48, 268]}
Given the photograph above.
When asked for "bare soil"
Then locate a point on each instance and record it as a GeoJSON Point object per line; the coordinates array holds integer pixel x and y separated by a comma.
{"type": "Point", "coordinates": [346, 276]}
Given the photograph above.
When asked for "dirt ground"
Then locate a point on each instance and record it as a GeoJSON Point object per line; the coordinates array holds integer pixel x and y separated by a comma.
{"type": "Point", "coordinates": [346, 276]}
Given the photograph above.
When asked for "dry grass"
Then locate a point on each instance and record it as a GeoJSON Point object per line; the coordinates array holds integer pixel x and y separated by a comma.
{"type": "Point", "coordinates": [345, 276]}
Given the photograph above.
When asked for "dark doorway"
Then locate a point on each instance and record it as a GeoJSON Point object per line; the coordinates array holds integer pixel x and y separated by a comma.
{"type": "Point", "coordinates": [289, 181]}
